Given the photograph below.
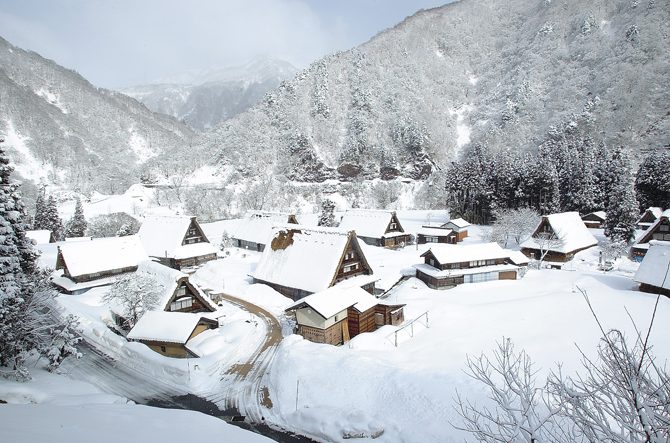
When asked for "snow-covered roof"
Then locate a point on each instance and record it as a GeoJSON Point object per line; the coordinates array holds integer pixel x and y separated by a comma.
{"type": "Point", "coordinates": [570, 230]}
{"type": "Point", "coordinates": [169, 327]}
{"type": "Point", "coordinates": [457, 222]}
{"type": "Point", "coordinates": [333, 300]}
{"type": "Point", "coordinates": [40, 236]}
{"type": "Point", "coordinates": [447, 253]}
{"type": "Point", "coordinates": [646, 235]}
{"type": "Point", "coordinates": [518, 258]}
{"type": "Point", "coordinates": [304, 258]}
{"type": "Point", "coordinates": [602, 215]}
{"type": "Point", "coordinates": [653, 210]}
{"type": "Point", "coordinates": [257, 226]}
{"type": "Point", "coordinates": [71, 285]}
{"type": "Point", "coordinates": [162, 236]}
{"type": "Point", "coordinates": [367, 222]}
{"type": "Point", "coordinates": [655, 267]}
{"type": "Point", "coordinates": [102, 254]}
{"type": "Point", "coordinates": [168, 280]}
{"type": "Point", "coordinates": [434, 232]}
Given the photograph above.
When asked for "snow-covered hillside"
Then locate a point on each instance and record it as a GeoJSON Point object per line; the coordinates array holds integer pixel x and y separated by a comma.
{"type": "Point", "coordinates": [473, 72]}
{"type": "Point", "coordinates": [60, 129]}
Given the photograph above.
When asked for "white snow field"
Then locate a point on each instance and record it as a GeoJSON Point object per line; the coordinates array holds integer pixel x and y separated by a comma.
{"type": "Point", "coordinates": [60, 410]}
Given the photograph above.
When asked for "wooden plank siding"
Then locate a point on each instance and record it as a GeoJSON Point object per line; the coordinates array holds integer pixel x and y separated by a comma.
{"type": "Point", "coordinates": [360, 322]}
{"type": "Point", "coordinates": [332, 335]}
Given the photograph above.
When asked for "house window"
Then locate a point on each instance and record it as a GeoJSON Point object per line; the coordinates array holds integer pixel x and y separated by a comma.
{"type": "Point", "coordinates": [432, 262]}
{"type": "Point", "coordinates": [181, 291]}
{"type": "Point", "coordinates": [431, 239]}
{"type": "Point", "coordinates": [393, 226]}
{"type": "Point", "coordinates": [351, 267]}
{"type": "Point", "coordinates": [180, 304]}
{"type": "Point", "coordinates": [162, 348]}
{"type": "Point", "coordinates": [349, 255]}
{"type": "Point", "coordinates": [664, 228]}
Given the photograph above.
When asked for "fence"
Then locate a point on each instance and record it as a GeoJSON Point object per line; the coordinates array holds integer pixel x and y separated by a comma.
{"type": "Point", "coordinates": [409, 325]}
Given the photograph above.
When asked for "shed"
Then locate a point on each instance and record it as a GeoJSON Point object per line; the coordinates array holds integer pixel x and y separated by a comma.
{"type": "Point", "coordinates": [432, 234]}
{"type": "Point", "coordinates": [594, 219]}
{"type": "Point", "coordinates": [168, 333]}
{"type": "Point", "coordinates": [459, 226]}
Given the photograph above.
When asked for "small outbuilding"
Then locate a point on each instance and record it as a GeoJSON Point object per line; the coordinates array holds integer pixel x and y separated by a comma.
{"type": "Point", "coordinates": [594, 219]}
{"type": "Point", "coordinates": [254, 230]}
{"type": "Point", "coordinates": [98, 262]}
{"type": "Point", "coordinates": [168, 333]}
{"type": "Point", "coordinates": [375, 227]}
{"type": "Point", "coordinates": [459, 226]}
{"type": "Point", "coordinates": [653, 275]}
{"type": "Point", "coordinates": [446, 266]}
{"type": "Point", "coordinates": [558, 237]}
{"type": "Point", "coordinates": [176, 241]}
{"type": "Point", "coordinates": [658, 230]}
{"type": "Point", "coordinates": [432, 234]}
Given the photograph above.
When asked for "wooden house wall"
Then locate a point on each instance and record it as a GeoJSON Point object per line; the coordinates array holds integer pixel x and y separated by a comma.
{"type": "Point", "coordinates": [363, 268]}
{"type": "Point", "coordinates": [332, 335]}
{"type": "Point", "coordinates": [395, 241]}
{"type": "Point", "coordinates": [99, 275]}
{"type": "Point", "coordinates": [389, 315]}
{"type": "Point", "coordinates": [449, 238]}
{"type": "Point", "coordinates": [554, 256]}
{"type": "Point", "coordinates": [192, 261]}
{"type": "Point", "coordinates": [199, 305]}
{"type": "Point", "coordinates": [394, 220]}
{"type": "Point", "coordinates": [507, 275]}
{"type": "Point", "coordinates": [360, 322]}
{"type": "Point", "coordinates": [198, 237]}
{"type": "Point", "coordinates": [173, 350]}
{"type": "Point", "coordinates": [249, 245]}
{"type": "Point", "coordinates": [660, 232]}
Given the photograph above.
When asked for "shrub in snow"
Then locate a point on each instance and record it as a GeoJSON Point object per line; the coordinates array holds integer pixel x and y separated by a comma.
{"type": "Point", "coordinates": [112, 225]}
{"type": "Point", "coordinates": [621, 396]}
{"type": "Point", "coordinates": [134, 294]}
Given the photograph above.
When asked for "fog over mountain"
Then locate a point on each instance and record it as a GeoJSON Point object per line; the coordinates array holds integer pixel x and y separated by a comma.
{"type": "Point", "coordinates": [203, 99]}
{"type": "Point", "coordinates": [60, 129]}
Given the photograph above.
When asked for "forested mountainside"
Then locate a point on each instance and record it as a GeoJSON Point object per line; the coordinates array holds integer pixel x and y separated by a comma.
{"type": "Point", "coordinates": [62, 130]}
{"type": "Point", "coordinates": [498, 74]}
{"type": "Point", "coordinates": [205, 99]}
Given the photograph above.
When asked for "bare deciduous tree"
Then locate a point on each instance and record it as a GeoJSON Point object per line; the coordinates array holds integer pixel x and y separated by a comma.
{"type": "Point", "coordinates": [135, 294]}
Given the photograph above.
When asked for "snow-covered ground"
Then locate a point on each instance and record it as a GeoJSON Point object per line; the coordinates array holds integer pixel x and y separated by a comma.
{"type": "Point", "coordinates": [58, 409]}
{"type": "Point", "coordinates": [369, 384]}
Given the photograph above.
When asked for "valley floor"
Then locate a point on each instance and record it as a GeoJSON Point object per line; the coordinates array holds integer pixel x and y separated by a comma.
{"type": "Point", "coordinates": [371, 384]}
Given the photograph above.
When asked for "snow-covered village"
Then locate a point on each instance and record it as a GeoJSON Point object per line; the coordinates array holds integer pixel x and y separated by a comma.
{"type": "Point", "coordinates": [302, 221]}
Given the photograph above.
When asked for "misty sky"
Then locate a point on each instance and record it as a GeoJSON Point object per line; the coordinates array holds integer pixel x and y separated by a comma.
{"type": "Point", "coordinates": [115, 43]}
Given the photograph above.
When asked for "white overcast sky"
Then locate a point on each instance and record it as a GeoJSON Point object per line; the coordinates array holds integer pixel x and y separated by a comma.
{"type": "Point", "coordinates": [116, 43]}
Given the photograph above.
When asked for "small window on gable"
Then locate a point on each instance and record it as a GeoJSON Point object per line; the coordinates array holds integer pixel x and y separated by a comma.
{"type": "Point", "coordinates": [162, 348]}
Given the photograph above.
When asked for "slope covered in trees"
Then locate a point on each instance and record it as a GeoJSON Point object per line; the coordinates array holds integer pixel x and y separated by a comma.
{"type": "Point", "coordinates": [60, 129]}
{"type": "Point", "coordinates": [497, 74]}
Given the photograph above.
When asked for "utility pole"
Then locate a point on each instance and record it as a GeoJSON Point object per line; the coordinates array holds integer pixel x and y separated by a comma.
{"type": "Point", "coordinates": [297, 388]}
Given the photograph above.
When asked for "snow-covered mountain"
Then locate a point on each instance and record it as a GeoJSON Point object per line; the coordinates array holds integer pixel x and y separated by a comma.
{"type": "Point", "coordinates": [203, 99]}
{"type": "Point", "coordinates": [495, 73]}
{"type": "Point", "coordinates": [60, 129]}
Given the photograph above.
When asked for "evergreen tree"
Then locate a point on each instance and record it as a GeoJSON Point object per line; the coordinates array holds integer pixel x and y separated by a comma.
{"type": "Point", "coordinates": [40, 220]}
{"type": "Point", "coordinates": [17, 261]}
{"type": "Point", "coordinates": [225, 241]}
{"type": "Point", "coordinates": [53, 219]}
{"type": "Point", "coordinates": [76, 226]}
{"type": "Point", "coordinates": [622, 211]}
{"type": "Point", "coordinates": [652, 184]}
{"type": "Point", "coordinates": [327, 217]}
